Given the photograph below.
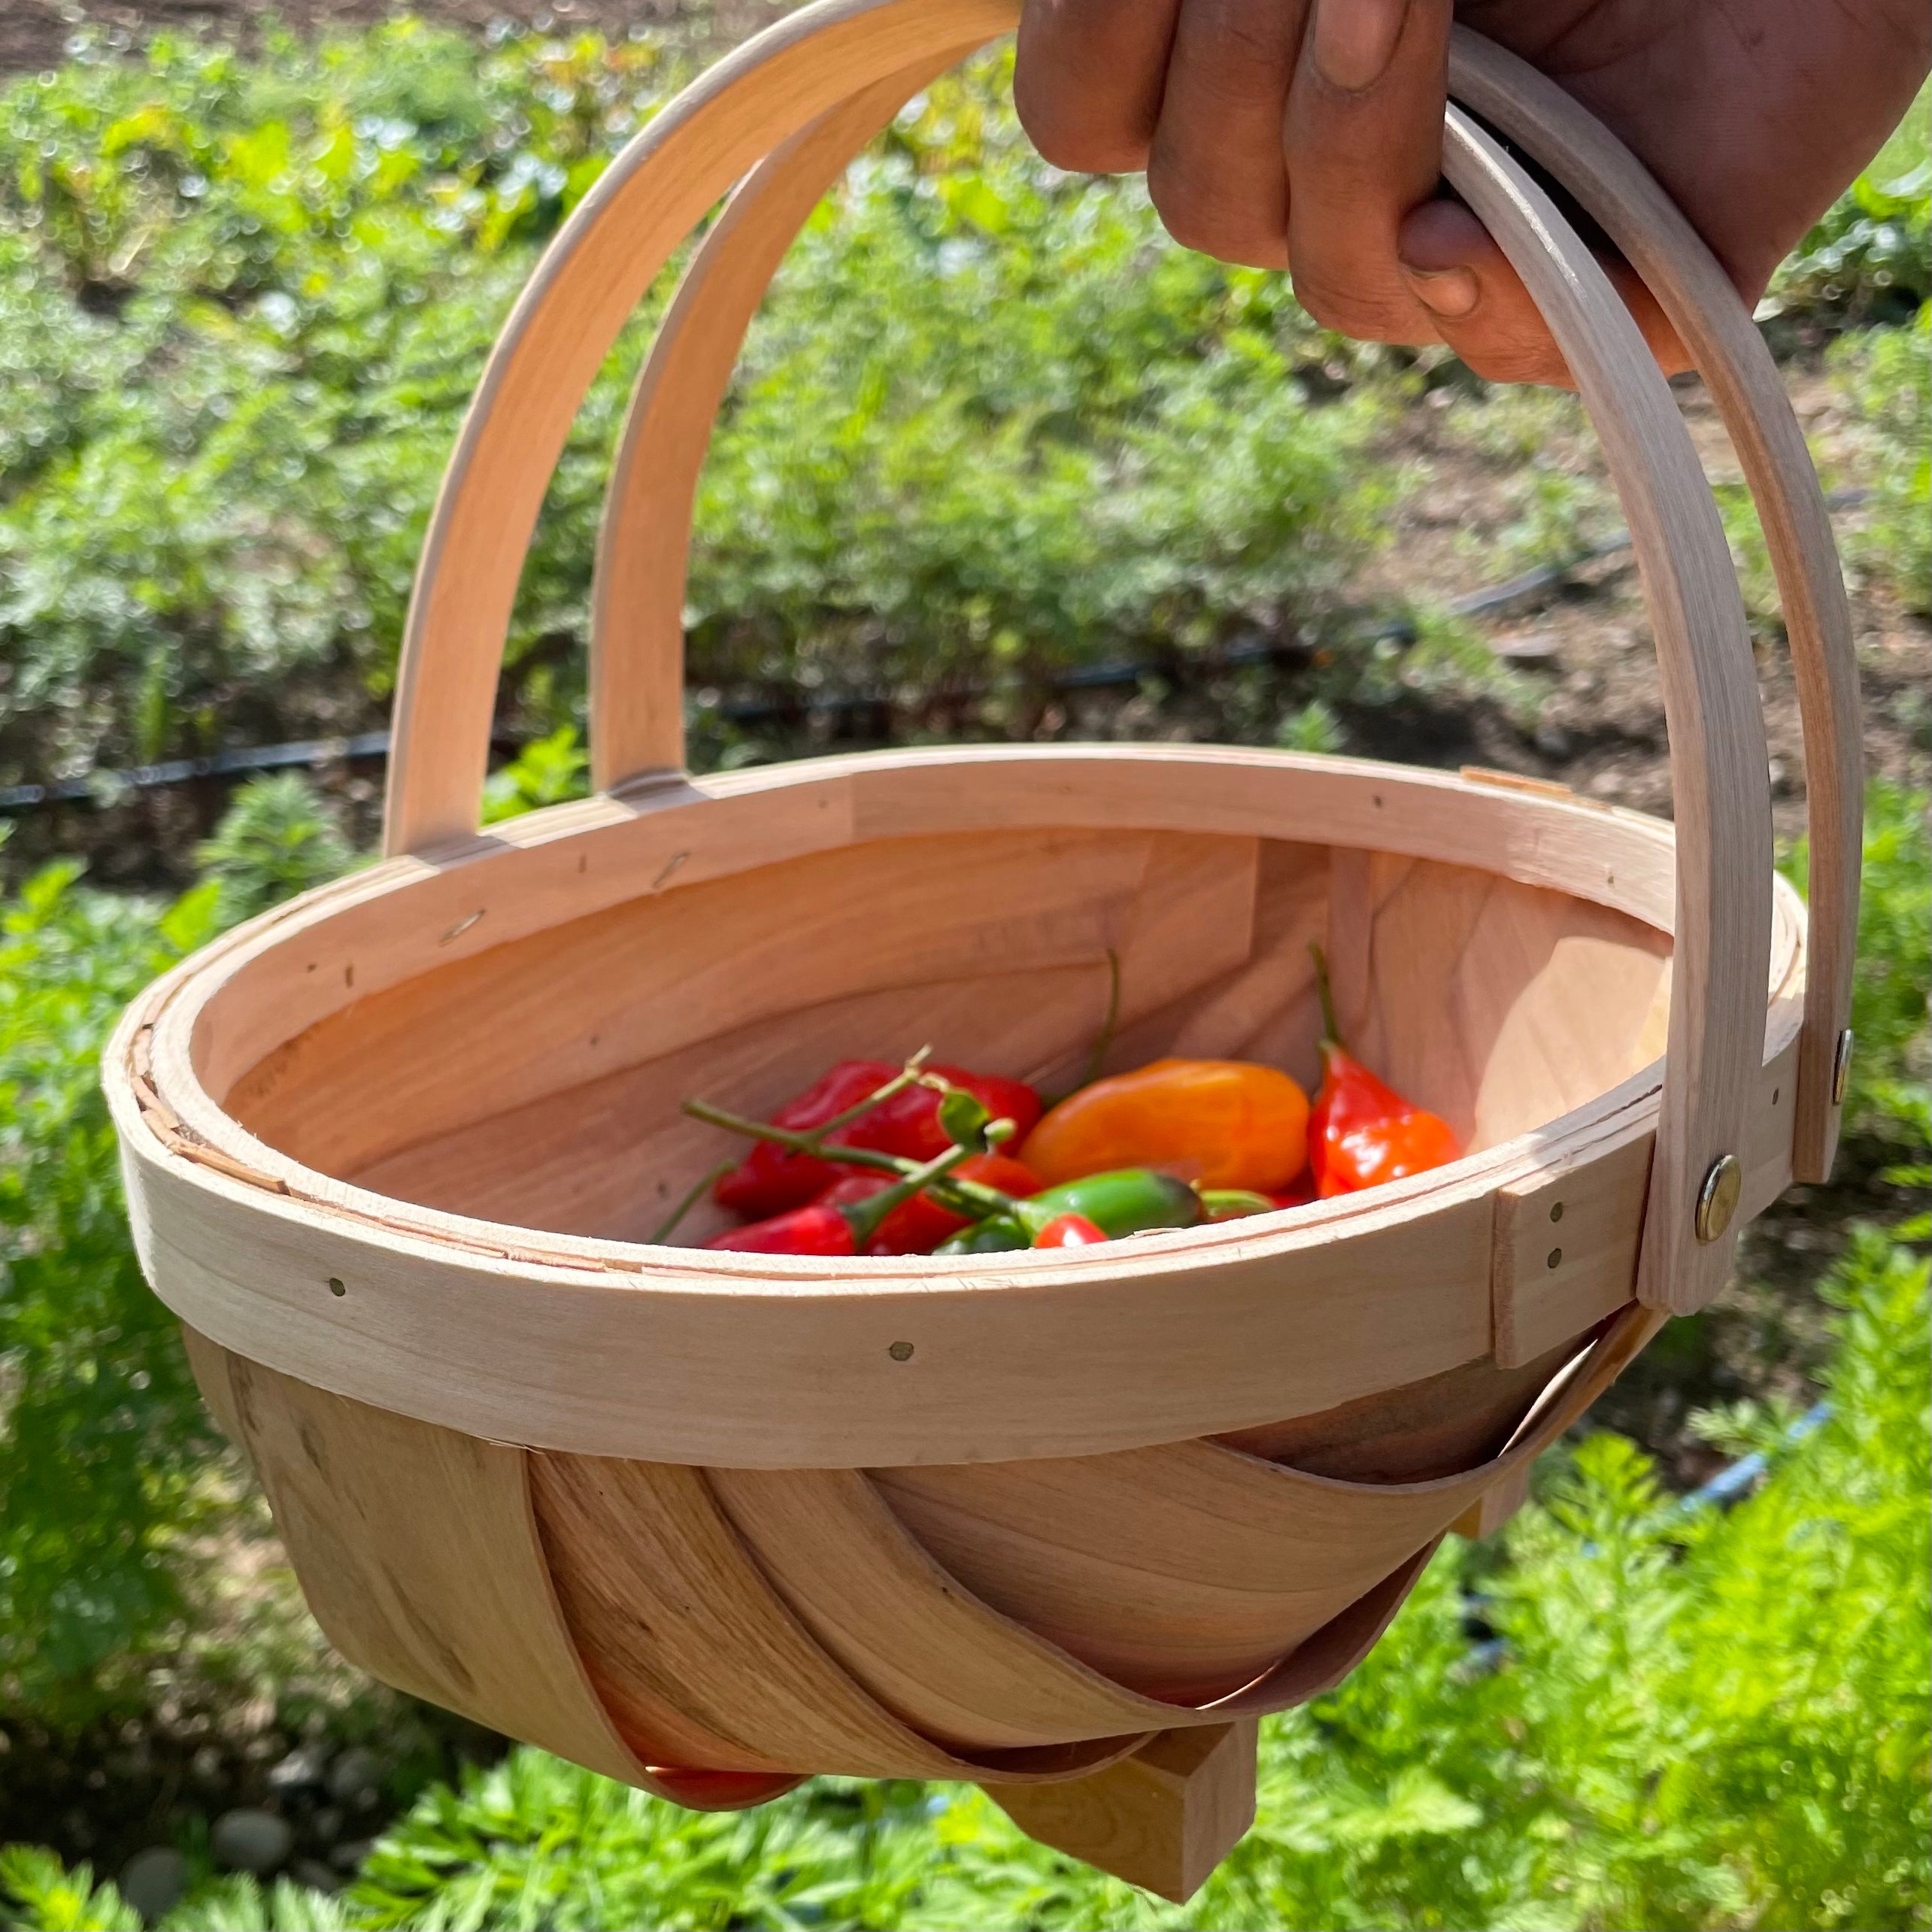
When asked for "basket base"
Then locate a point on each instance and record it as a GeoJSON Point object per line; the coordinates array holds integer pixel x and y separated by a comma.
{"type": "Point", "coordinates": [1162, 1819]}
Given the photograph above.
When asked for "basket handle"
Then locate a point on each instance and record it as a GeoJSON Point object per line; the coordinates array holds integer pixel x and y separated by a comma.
{"type": "Point", "coordinates": [793, 82]}
{"type": "Point", "coordinates": [1653, 235]}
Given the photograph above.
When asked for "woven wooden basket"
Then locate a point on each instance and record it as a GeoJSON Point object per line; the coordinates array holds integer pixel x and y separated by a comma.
{"type": "Point", "coordinates": [1062, 1524]}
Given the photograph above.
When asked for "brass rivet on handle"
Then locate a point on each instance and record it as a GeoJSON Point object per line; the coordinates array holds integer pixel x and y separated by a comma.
{"type": "Point", "coordinates": [1717, 1198]}
{"type": "Point", "coordinates": [1841, 1068]}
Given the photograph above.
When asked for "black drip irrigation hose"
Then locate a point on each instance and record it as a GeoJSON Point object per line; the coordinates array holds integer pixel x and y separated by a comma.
{"type": "Point", "coordinates": [107, 787]}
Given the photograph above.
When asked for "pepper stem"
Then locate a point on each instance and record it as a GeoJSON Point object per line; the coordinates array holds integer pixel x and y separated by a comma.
{"type": "Point", "coordinates": [1104, 1038]}
{"type": "Point", "coordinates": [1331, 1034]}
{"type": "Point", "coordinates": [971, 1198]}
{"type": "Point", "coordinates": [912, 1072]}
{"type": "Point", "coordinates": [864, 1217]}
{"type": "Point", "coordinates": [668, 1225]}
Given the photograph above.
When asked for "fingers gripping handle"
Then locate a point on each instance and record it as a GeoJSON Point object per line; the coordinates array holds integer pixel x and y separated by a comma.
{"type": "Point", "coordinates": [797, 89]}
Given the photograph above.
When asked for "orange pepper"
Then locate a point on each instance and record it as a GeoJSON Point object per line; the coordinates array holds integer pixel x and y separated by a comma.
{"type": "Point", "coordinates": [1218, 1122]}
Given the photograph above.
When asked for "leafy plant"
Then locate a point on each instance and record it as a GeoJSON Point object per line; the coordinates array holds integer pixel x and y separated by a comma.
{"type": "Point", "coordinates": [105, 1451]}
{"type": "Point", "coordinates": [1870, 258]}
{"type": "Point", "coordinates": [1892, 979]}
{"type": "Point", "coordinates": [990, 420]}
{"type": "Point", "coordinates": [276, 839]}
{"type": "Point", "coordinates": [1886, 376]}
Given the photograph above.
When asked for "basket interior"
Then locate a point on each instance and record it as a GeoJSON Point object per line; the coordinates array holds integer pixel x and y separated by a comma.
{"type": "Point", "coordinates": [538, 1083]}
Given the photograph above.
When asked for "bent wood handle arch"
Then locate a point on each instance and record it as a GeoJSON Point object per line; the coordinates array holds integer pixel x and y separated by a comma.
{"type": "Point", "coordinates": [1654, 236]}
{"type": "Point", "coordinates": [806, 71]}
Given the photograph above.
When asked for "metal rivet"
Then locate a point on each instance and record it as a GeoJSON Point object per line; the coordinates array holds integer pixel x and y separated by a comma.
{"type": "Point", "coordinates": [1717, 1198]}
{"type": "Point", "coordinates": [1553, 1259]}
{"type": "Point", "coordinates": [1556, 1210]}
{"type": "Point", "coordinates": [336, 1287]}
{"type": "Point", "coordinates": [901, 1351]}
{"type": "Point", "coordinates": [1841, 1068]}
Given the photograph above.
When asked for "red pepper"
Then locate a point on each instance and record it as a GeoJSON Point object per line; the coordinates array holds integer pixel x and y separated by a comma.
{"type": "Point", "coordinates": [1070, 1231]}
{"type": "Point", "coordinates": [770, 1178]}
{"type": "Point", "coordinates": [816, 1229]}
{"type": "Point", "coordinates": [918, 1226]}
{"type": "Point", "coordinates": [1361, 1132]}
{"type": "Point", "coordinates": [908, 1125]}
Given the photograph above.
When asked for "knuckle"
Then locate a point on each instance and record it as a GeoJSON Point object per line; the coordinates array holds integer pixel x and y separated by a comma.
{"type": "Point", "coordinates": [1216, 224]}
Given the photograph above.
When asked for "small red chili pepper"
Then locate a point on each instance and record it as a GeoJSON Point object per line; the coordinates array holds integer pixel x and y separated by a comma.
{"type": "Point", "coordinates": [908, 1125]}
{"type": "Point", "coordinates": [770, 1178]}
{"type": "Point", "coordinates": [816, 1229]}
{"type": "Point", "coordinates": [1070, 1231]}
{"type": "Point", "coordinates": [1361, 1132]}
{"type": "Point", "coordinates": [918, 1226]}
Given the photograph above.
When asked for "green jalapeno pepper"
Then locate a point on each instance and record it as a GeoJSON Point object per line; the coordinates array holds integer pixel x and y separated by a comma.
{"type": "Point", "coordinates": [998, 1234]}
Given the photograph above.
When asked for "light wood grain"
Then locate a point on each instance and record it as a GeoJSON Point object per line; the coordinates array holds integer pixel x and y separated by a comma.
{"type": "Point", "coordinates": [1162, 1819]}
{"type": "Point", "coordinates": [1718, 763]}
{"type": "Point", "coordinates": [662, 1597]}
{"type": "Point", "coordinates": [637, 593]}
{"type": "Point", "coordinates": [385, 1519]}
{"type": "Point", "coordinates": [592, 276]}
{"type": "Point", "coordinates": [1691, 286]}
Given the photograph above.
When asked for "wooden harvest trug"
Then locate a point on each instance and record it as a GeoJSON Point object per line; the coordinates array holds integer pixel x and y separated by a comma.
{"type": "Point", "coordinates": [1062, 1524]}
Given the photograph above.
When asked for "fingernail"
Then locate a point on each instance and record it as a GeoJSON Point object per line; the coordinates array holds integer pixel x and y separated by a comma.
{"type": "Point", "coordinates": [1354, 39]}
{"type": "Point", "coordinates": [1448, 292]}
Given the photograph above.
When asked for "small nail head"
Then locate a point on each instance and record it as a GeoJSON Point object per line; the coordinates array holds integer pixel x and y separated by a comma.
{"type": "Point", "coordinates": [901, 1351]}
{"type": "Point", "coordinates": [1553, 1259]}
{"type": "Point", "coordinates": [1717, 1198]}
{"type": "Point", "coordinates": [1556, 1210]}
{"type": "Point", "coordinates": [1841, 1068]}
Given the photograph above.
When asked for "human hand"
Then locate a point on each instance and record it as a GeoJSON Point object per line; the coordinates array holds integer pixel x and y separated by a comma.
{"type": "Point", "coordinates": [1307, 135]}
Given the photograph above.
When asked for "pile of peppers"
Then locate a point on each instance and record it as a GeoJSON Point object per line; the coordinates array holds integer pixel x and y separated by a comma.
{"type": "Point", "coordinates": [925, 1159]}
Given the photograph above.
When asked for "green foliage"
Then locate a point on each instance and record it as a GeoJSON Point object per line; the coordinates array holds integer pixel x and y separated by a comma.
{"type": "Point", "coordinates": [1885, 374]}
{"type": "Point", "coordinates": [104, 1435]}
{"type": "Point", "coordinates": [991, 418]}
{"type": "Point", "coordinates": [104, 1447]}
{"type": "Point", "coordinates": [1870, 257]}
{"type": "Point", "coordinates": [48, 1898]}
{"type": "Point", "coordinates": [276, 839]}
{"type": "Point", "coordinates": [546, 772]}
{"type": "Point", "coordinates": [1892, 979]}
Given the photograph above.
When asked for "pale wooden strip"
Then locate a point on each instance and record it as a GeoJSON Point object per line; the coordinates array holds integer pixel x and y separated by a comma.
{"type": "Point", "coordinates": [565, 1006]}
{"type": "Point", "coordinates": [665, 1602]}
{"type": "Point", "coordinates": [592, 276]}
{"type": "Point", "coordinates": [1162, 1819]}
{"type": "Point", "coordinates": [637, 588]}
{"type": "Point", "coordinates": [922, 1645]}
{"type": "Point", "coordinates": [1718, 764]}
{"type": "Point", "coordinates": [1694, 292]}
{"type": "Point", "coordinates": [417, 1553]}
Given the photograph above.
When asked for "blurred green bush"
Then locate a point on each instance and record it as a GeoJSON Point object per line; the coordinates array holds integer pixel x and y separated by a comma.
{"type": "Point", "coordinates": [991, 421]}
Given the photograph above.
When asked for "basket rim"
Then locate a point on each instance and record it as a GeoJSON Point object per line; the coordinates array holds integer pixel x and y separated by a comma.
{"type": "Point", "coordinates": [193, 1168]}
{"type": "Point", "coordinates": [183, 994]}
